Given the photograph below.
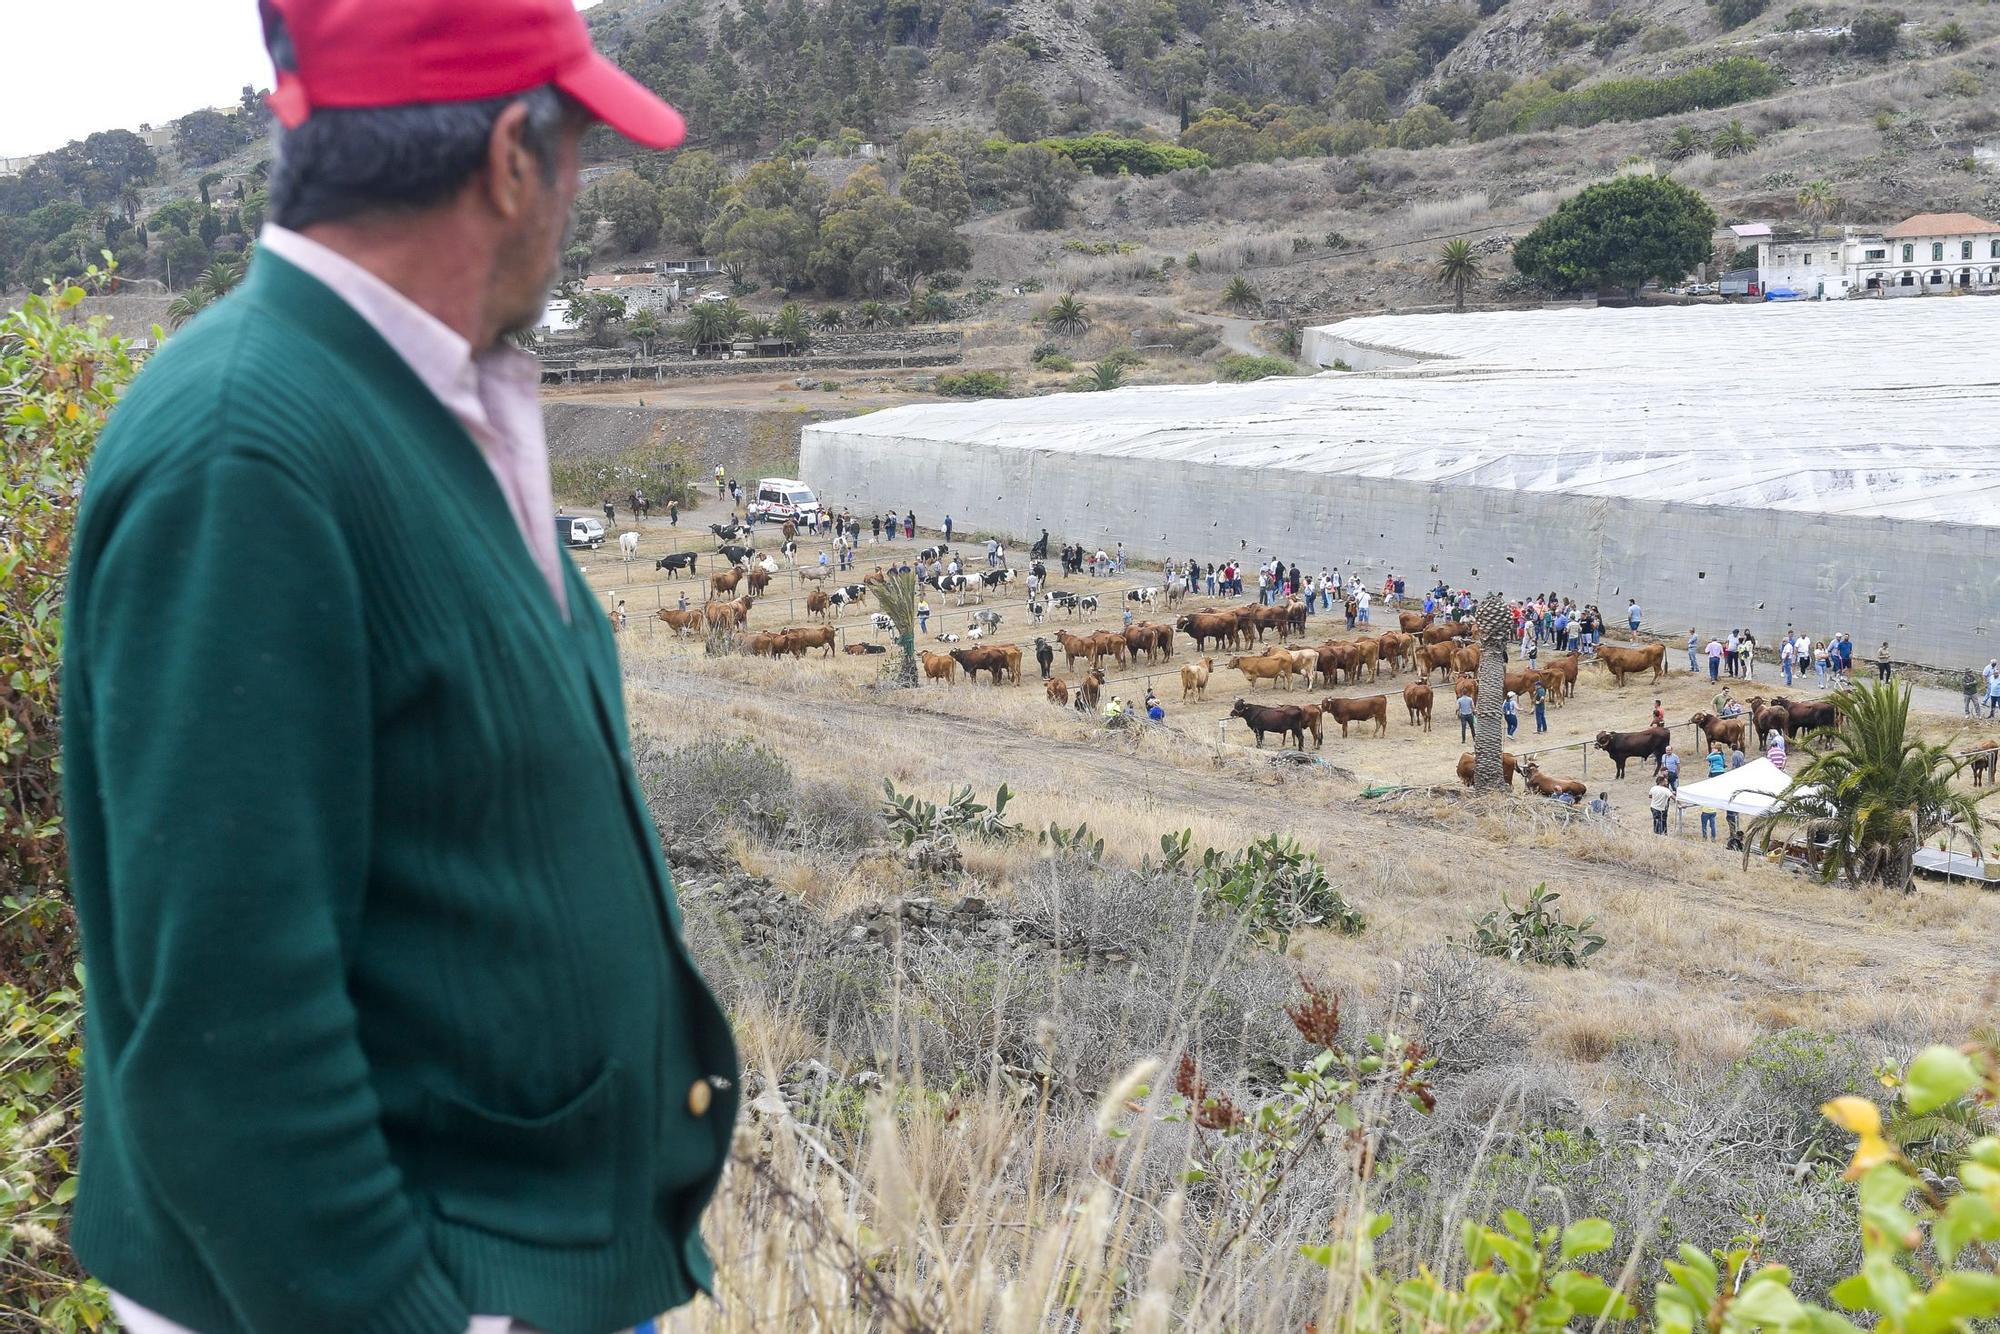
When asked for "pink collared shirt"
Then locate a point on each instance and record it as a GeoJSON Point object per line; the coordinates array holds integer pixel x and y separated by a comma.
{"type": "Point", "coordinates": [495, 394]}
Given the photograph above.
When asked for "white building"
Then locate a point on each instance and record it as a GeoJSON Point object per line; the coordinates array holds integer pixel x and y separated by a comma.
{"type": "Point", "coordinates": [641, 291]}
{"type": "Point", "coordinates": [1929, 253]}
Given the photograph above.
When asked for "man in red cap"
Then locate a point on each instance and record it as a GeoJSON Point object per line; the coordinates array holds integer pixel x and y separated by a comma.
{"type": "Point", "coordinates": [392, 1027]}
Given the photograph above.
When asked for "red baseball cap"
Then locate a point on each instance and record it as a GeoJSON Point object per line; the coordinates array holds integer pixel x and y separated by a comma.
{"type": "Point", "coordinates": [384, 53]}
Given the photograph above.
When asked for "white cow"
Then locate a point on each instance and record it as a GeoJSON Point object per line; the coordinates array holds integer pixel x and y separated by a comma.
{"type": "Point", "coordinates": [629, 544]}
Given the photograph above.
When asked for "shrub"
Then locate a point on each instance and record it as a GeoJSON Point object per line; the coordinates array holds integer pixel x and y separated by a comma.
{"type": "Point", "coordinates": [1736, 79]}
{"type": "Point", "coordinates": [975, 384]}
{"type": "Point", "coordinates": [1535, 933]}
{"type": "Point", "coordinates": [1279, 888]}
{"type": "Point", "coordinates": [1736, 13]}
{"type": "Point", "coordinates": [1875, 32]}
{"type": "Point", "coordinates": [1241, 368]}
{"type": "Point", "coordinates": [1961, 83]}
{"type": "Point", "coordinates": [1952, 36]}
{"type": "Point", "coordinates": [929, 831]}
{"type": "Point", "coordinates": [1804, 16]}
{"type": "Point", "coordinates": [698, 789]}
{"type": "Point", "coordinates": [1662, 37]}
{"type": "Point", "coordinates": [1107, 155]}
{"type": "Point", "coordinates": [1054, 361]}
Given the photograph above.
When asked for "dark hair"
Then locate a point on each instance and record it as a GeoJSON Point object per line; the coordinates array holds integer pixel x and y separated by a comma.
{"type": "Point", "coordinates": [345, 161]}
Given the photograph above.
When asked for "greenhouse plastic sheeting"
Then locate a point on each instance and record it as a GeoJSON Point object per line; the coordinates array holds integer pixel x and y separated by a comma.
{"type": "Point", "coordinates": [1831, 465]}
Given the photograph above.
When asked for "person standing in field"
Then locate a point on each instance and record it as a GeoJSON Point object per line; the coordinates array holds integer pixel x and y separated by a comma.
{"type": "Point", "coordinates": [1658, 799]}
{"type": "Point", "coordinates": [392, 1026]}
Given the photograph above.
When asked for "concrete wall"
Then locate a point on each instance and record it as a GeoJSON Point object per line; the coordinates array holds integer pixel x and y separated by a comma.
{"type": "Point", "coordinates": [1931, 589]}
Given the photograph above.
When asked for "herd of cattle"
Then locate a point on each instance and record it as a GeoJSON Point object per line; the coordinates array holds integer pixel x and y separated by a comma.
{"type": "Point", "coordinates": [1421, 645]}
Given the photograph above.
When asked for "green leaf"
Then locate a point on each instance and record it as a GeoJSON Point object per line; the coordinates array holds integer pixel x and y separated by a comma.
{"type": "Point", "coordinates": [1958, 1296]}
{"type": "Point", "coordinates": [1939, 1075]}
{"type": "Point", "coordinates": [1586, 1236]}
{"type": "Point", "coordinates": [1855, 1293]}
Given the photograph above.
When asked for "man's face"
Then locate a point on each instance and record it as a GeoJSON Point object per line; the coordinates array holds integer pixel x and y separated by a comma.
{"type": "Point", "coordinates": [531, 262]}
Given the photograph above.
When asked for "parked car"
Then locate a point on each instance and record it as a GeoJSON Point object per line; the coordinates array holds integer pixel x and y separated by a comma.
{"type": "Point", "coordinates": [579, 530]}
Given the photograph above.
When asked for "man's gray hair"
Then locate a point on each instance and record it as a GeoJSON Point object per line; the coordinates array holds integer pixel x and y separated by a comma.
{"type": "Point", "coordinates": [343, 162]}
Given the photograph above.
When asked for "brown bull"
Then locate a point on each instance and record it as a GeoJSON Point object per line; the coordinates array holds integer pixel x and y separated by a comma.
{"type": "Point", "coordinates": [1366, 709]}
{"type": "Point", "coordinates": [1549, 785]}
{"type": "Point", "coordinates": [1729, 731]}
{"type": "Point", "coordinates": [799, 641]}
{"type": "Point", "coordinates": [1468, 767]}
{"type": "Point", "coordinates": [816, 603]}
{"type": "Point", "coordinates": [1057, 690]}
{"type": "Point", "coordinates": [939, 667]}
{"type": "Point", "coordinates": [725, 582]}
{"type": "Point", "coordinates": [1417, 699]}
{"type": "Point", "coordinates": [681, 621]}
{"type": "Point", "coordinates": [1414, 622]}
{"type": "Point", "coordinates": [1624, 662]}
{"type": "Point", "coordinates": [1202, 626]}
{"type": "Point", "coordinates": [1265, 667]}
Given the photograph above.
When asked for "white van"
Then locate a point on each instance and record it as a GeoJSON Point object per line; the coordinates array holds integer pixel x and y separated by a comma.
{"type": "Point", "coordinates": [782, 498]}
{"type": "Point", "coordinates": [574, 530]}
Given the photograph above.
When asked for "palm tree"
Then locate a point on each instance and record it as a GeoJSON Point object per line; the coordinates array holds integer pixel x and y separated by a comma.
{"type": "Point", "coordinates": [1817, 201]}
{"type": "Point", "coordinates": [872, 314]}
{"type": "Point", "coordinates": [897, 597]}
{"type": "Point", "coordinates": [1067, 318]}
{"type": "Point", "coordinates": [794, 326]}
{"type": "Point", "coordinates": [1732, 140]}
{"type": "Point", "coordinates": [1681, 145]}
{"type": "Point", "coordinates": [1457, 266]}
{"type": "Point", "coordinates": [1104, 375]}
{"type": "Point", "coordinates": [1488, 773]}
{"type": "Point", "coordinates": [831, 317]}
{"type": "Point", "coordinates": [1240, 295]}
{"type": "Point", "coordinates": [709, 323]}
{"type": "Point", "coordinates": [936, 306]}
{"type": "Point", "coordinates": [1872, 792]}
{"type": "Point", "coordinates": [215, 282]}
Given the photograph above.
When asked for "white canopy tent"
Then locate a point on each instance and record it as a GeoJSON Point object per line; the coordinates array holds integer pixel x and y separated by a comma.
{"type": "Point", "coordinates": [1750, 789]}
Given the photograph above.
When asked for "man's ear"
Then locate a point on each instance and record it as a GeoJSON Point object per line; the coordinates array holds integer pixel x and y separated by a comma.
{"type": "Point", "coordinates": [511, 167]}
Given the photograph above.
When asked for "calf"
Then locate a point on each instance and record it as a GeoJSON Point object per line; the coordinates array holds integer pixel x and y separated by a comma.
{"type": "Point", "coordinates": [678, 561]}
{"type": "Point", "coordinates": [1057, 690]}
{"type": "Point", "coordinates": [1367, 709]}
{"type": "Point", "coordinates": [1194, 679]}
{"type": "Point", "coordinates": [736, 555]}
{"type": "Point", "coordinates": [940, 667]}
{"type": "Point", "coordinates": [1469, 767]}
{"type": "Point", "coordinates": [1417, 699]}
{"type": "Point", "coordinates": [1045, 656]}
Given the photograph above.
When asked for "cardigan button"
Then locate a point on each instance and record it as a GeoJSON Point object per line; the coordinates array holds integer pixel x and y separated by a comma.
{"type": "Point", "coordinates": [700, 1095]}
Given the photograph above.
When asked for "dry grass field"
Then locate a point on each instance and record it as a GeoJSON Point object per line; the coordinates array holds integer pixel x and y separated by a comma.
{"type": "Point", "coordinates": [1711, 965]}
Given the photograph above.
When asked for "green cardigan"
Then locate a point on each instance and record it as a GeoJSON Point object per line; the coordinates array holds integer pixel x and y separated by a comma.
{"type": "Point", "coordinates": [390, 1018]}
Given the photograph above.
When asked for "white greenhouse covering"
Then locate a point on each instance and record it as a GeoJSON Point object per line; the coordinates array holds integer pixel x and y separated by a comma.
{"type": "Point", "coordinates": [1833, 465]}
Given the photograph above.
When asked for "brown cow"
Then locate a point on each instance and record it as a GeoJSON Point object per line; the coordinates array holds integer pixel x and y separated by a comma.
{"type": "Point", "coordinates": [1566, 667]}
{"type": "Point", "coordinates": [1194, 679]}
{"type": "Point", "coordinates": [1266, 667]}
{"type": "Point", "coordinates": [1985, 760]}
{"type": "Point", "coordinates": [740, 609]}
{"type": "Point", "coordinates": [1141, 639]}
{"type": "Point", "coordinates": [1467, 767]}
{"type": "Point", "coordinates": [1442, 634]}
{"type": "Point", "coordinates": [1088, 689]}
{"type": "Point", "coordinates": [1368, 655]}
{"type": "Point", "coordinates": [1335, 658]}
{"type": "Point", "coordinates": [1312, 715]}
{"type": "Point", "coordinates": [725, 582]}
{"type": "Point", "coordinates": [1074, 647]}
{"type": "Point", "coordinates": [816, 603]}
{"type": "Point", "coordinates": [939, 667]}
{"type": "Point", "coordinates": [1726, 730]}
{"type": "Point", "coordinates": [1107, 643]}
{"type": "Point", "coordinates": [811, 637]}
{"type": "Point", "coordinates": [1413, 622]}
{"type": "Point", "coordinates": [1647, 744]}
{"type": "Point", "coordinates": [990, 659]}
{"type": "Point", "coordinates": [1367, 708]}
{"type": "Point", "coordinates": [1466, 659]}
{"type": "Point", "coordinates": [1397, 649]}
{"type": "Point", "coordinates": [1057, 690]}
{"type": "Point", "coordinates": [681, 621]}
{"type": "Point", "coordinates": [1436, 658]}
{"type": "Point", "coordinates": [1465, 686]}
{"type": "Point", "coordinates": [760, 579]}
{"type": "Point", "coordinates": [1202, 626]}
{"type": "Point", "coordinates": [1624, 662]}
{"type": "Point", "coordinates": [1549, 786]}
{"type": "Point", "coordinates": [721, 617]}
{"type": "Point", "coordinates": [764, 645]}
{"type": "Point", "coordinates": [1417, 699]}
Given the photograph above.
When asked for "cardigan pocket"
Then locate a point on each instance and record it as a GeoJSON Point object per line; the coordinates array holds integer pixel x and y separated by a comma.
{"type": "Point", "coordinates": [548, 1179]}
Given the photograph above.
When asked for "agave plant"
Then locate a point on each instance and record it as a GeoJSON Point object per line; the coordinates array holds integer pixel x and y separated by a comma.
{"type": "Point", "coordinates": [1067, 317]}
{"type": "Point", "coordinates": [1104, 375]}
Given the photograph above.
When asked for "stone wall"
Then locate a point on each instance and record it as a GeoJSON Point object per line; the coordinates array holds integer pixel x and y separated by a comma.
{"type": "Point", "coordinates": [746, 441]}
{"type": "Point", "coordinates": [689, 369]}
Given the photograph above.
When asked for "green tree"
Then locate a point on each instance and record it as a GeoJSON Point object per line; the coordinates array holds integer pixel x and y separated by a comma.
{"type": "Point", "coordinates": [933, 181]}
{"type": "Point", "coordinates": [1104, 375]}
{"type": "Point", "coordinates": [831, 317]}
{"type": "Point", "coordinates": [1458, 265]}
{"type": "Point", "coordinates": [1422, 126]}
{"type": "Point", "coordinates": [596, 316]}
{"type": "Point", "coordinates": [1240, 295]}
{"type": "Point", "coordinates": [1619, 233]}
{"type": "Point", "coordinates": [1736, 13]}
{"type": "Point", "coordinates": [1067, 318]}
{"type": "Point", "coordinates": [695, 184]}
{"type": "Point", "coordinates": [206, 136]}
{"type": "Point", "coordinates": [179, 258]}
{"type": "Point", "coordinates": [775, 243]}
{"type": "Point", "coordinates": [935, 306]}
{"type": "Point", "coordinates": [216, 281]}
{"type": "Point", "coordinates": [1732, 140]}
{"type": "Point", "coordinates": [1043, 179]}
{"type": "Point", "coordinates": [1871, 791]}
{"type": "Point", "coordinates": [631, 206]}
{"type": "Point", "coordinates": [795, 326]}
{"type": "Point", "coordinates": [1817, 201]}
{"type": "Point", "coordinates": [1363, 95]}
{"type": "Point", "coordinates": [1876, 32]}
{"type": "Point", "coordinates": [644, 328]}
{"type": "Point", "coordinates": [897, 597]}
{"type": "Point", "coordinates": [60, 373]}
{"type": "Point", "coordinates": [1021, 113]}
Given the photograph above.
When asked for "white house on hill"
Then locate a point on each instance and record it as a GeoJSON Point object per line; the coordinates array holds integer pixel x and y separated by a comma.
{"type": "Point", "coordinates": [1928, 253]}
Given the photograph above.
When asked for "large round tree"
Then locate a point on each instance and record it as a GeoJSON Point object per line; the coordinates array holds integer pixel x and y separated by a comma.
{"type": "Point", "coordinates": [1619, 234]}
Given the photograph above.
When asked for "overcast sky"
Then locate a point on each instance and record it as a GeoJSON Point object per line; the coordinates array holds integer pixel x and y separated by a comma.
{"type": "Point", "coordinates": [148, 60]}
